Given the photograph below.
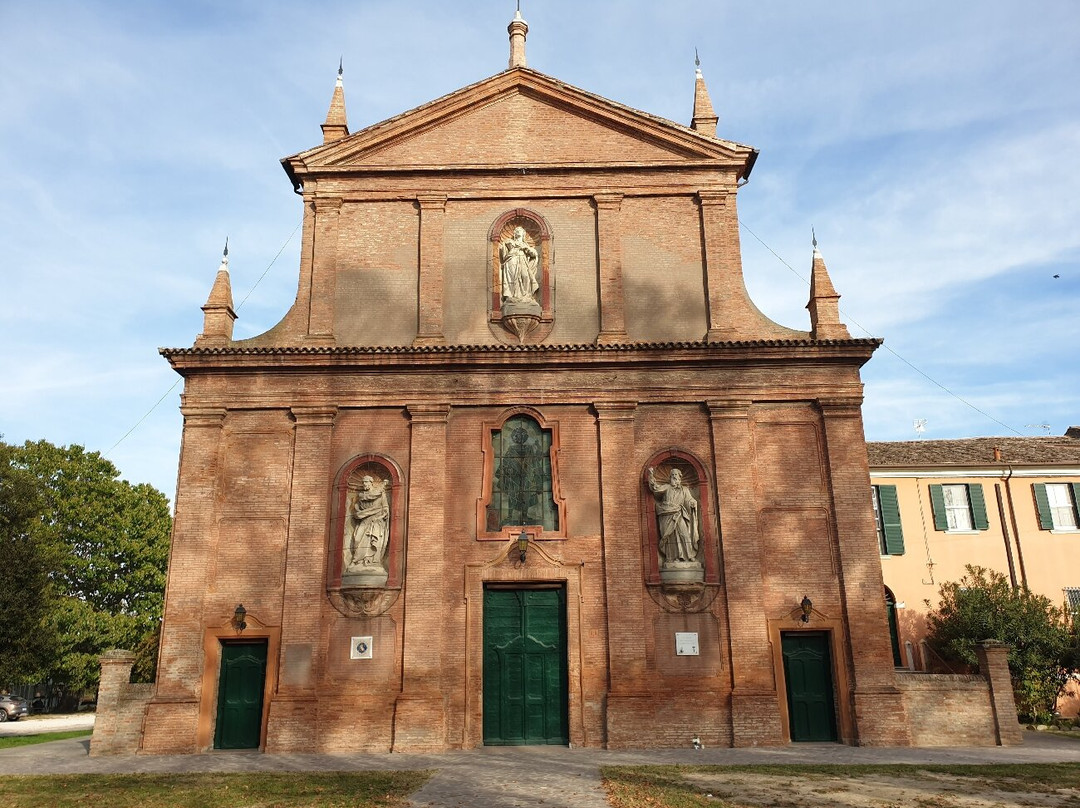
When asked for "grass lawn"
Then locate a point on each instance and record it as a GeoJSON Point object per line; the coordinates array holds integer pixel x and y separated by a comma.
{"type": "Point", "coordinates": [1057, 784]}
{"type": "Point", "coordinates": [292, 790]}
{"type": "Point", "coordinates": [25, 740]}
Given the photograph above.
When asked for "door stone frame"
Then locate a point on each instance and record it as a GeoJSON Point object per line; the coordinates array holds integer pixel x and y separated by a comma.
{"type": "Point", "coordinates": [540, 567]}
{"type": "Point", "coordinates": [834, 628]}
{"type": "Point", "coordinates": [211, 674]}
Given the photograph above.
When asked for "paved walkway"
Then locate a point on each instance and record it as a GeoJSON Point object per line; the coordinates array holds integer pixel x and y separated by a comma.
{"type": "Point", "coordinates": [508, 777]}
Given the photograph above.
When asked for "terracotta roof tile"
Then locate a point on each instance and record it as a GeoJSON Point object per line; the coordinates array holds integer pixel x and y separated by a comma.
{"type": "Point", "coordinates": [1052, 449]}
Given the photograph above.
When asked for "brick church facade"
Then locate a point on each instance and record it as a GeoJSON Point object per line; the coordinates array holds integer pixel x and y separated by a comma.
{"type": "Point", "coordinates": [523, 463]}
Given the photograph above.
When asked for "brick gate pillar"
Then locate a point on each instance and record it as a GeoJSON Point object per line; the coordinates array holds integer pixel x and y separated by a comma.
{"type": "Point", "coordinates": [623, 577]}
{"type": "Point", "coordinates": [173, 714]}
{"type": "Point", "coordinates": [755, 709]}
{"type": "Point", "coordinates": [878, 707]}
{"type": "Point", "coordinates": [291, 724]}
{"type": "Point", "coordinates": [420, 711]}
{"type": "Point", "coordinates": [994, 665]}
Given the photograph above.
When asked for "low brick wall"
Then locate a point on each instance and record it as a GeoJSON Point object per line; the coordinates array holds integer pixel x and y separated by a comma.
{"type": "Point", "coordinates": [121, 707]}
{"type": "Point", "coordinates": [948, 709]}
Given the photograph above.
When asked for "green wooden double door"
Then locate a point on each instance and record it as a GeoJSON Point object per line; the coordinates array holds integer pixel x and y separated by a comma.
{"type": "Point", "coordinates": [808, 674]}
{"type": "Point", "coordinates": [525, 677]}
{"type": "Point", "coordinates": [240, 695]}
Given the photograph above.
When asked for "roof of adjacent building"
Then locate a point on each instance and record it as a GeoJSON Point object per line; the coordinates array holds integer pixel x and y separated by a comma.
{"type": "Point", "coordinates": [1051, 449]}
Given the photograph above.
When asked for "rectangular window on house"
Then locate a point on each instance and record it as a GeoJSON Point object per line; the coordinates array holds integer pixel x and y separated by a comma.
{"type": "Point", "coordinates": [958, 507]}
{"type": "Point", "coordinates": [890, 534]}
{"type": "Point", "coordinates": [1056, 504]}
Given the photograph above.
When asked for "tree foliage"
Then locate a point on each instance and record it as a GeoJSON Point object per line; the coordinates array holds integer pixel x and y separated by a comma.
{"type": "Point", "coordinates": [113, 541]}
{"type": "Point", "coordinates": [984, 606]}
{"type": "Point", "coordinates": [28, 563]}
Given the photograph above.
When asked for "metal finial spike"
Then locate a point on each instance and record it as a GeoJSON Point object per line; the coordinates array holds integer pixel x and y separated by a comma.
{"type": "Point", "coordinates": [226, 253]}
{"type": "Point", "coordinates": [813, 236]}
{"type": "Point", "coordinates": [697, 59]}
{"type": "Point", "coordinates": [341, 62]}
{"type": "Point", "coordinates": [519, 6]}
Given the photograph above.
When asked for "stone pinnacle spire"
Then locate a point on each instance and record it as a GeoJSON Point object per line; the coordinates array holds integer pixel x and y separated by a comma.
{"type": "Point", "coordinates": [218, 314]}
{"type": "Point", "coordinates": [518, 29]}
{"type": "Point", "coordinates": [824, 305]}
{"type": "Point", "coordinates": [705, 119]}
{"type": "Point", "coordinates": [336, 126]}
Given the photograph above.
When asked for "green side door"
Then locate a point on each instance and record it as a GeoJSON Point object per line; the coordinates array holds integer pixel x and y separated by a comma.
{"type": "Point", "coordinates": [525, 678]}
{"type": "Point", "coordinates": [240, 695]}
{"type": "Point", "coordinates": [808, 673]}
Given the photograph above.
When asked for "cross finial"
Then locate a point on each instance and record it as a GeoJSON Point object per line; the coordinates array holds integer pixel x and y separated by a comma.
{"type": "Point", "coordinates": [226, 253]}
{"type": "Point", "coordinates": [813, 236]}
{"type": "Point", "coordinates": [341, 62]}
{"type": "Point", "coordinates": [697, 59]}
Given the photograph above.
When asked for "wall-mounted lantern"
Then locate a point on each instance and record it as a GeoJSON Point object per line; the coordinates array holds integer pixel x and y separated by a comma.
{"type": "Point", "coordinates": [239, 618]}
{"type": "Point", "coordinates": [807, 607]}
{"type": "Point", "coordinates": [522, 545]}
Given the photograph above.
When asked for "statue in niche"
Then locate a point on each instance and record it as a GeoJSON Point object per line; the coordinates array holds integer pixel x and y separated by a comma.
{"type": "Point", "coordinates": [367, 533]}
{"type": "Point", "coordinates": [679, 524]}
{"type": "Point", "coordinates": [518, 260]}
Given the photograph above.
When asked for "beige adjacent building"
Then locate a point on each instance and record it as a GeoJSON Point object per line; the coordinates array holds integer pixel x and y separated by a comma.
{"type": "Point", "coordinates": [1009, 504]}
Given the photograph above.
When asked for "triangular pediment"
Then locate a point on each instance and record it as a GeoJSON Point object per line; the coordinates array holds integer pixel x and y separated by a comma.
{"type": "Point", "coordinates": [519, 118]}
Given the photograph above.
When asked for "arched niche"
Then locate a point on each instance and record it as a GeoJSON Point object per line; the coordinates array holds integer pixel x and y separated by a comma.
{"type": "Point", "coordinates": [349, 485]}
{"type": "Point", "coordinates": [695, 478]}
{"type": "Point", "coordinates": [521, 321]}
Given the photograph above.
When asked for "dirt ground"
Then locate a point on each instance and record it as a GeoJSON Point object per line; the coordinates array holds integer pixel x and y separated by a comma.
{"type": "Point", "coordinates": [917, 790]}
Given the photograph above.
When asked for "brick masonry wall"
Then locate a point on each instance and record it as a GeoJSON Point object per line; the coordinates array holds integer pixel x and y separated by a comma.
{"type": "Point", "coordinates": [947, 709]}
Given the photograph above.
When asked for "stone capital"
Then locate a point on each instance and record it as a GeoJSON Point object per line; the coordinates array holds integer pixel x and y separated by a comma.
{"type": "Point", "coordinates": [712, 197]}
{"type": "Point", "coordinates": [615, 410]}
{"type": "Point", "coordinates": [431, 201]}
{"type": "Point", "coordinates": [313, 416]}
{"type": "Point", "coordinates": [608, 202]}
{"type": "Point", "coordinates": [196, 416]}
{"type": "Point", "coordinates": [729, 408]}
{"type": "Point", "coordinates": [428, 413]}
{"type": "Point", "coordinates": [327, 204]}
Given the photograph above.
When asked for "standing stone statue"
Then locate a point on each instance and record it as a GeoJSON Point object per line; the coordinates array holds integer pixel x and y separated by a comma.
{"type": "Point", "coordinates": [369, 527]}
{"type": "Point", "coordinates": [519, 260]}
{"type": "Point", "coordinates": [677, 520]}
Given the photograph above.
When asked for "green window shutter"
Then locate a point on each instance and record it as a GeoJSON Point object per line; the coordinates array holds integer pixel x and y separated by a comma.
{"type": "Point", "coordinates": [1076, 499]}
{"type": "Point", "coordinates": [890, 519]}
{"type": "Point", "coordinates": [1042, 505]}
{"type": "Point", "coordinates": [978, 507]}
{"type": "Point", "coordinates": [937, 503]}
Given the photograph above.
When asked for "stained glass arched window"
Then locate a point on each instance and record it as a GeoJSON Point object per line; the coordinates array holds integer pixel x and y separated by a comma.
{"type": "Point", "coordinates": [522, 493]}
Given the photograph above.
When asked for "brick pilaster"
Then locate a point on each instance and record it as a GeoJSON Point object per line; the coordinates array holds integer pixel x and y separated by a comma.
{"type": "Point", "coordinates": [115, 673]}
{"type": "Point", "coordinates": [324, 266]}
{"type": "Point", "coordinates": [994, 665]}
{"type": "Point", "coordinates": [420, 712]}
{"type": "Point", "coordinates": [730, 313]}
{"type": "Point", "coordinates": [432, 269]}
{"type": "Point", "coordinates": [194, 529]}
{"type": "Point", "coordinates": [755, 710]}
{"type": "Point", "coordinates": [609, 250]}
{"type": "Point", "coordinates": [880, 719]}
{"type": "Point", "coordinates": [291, 723]}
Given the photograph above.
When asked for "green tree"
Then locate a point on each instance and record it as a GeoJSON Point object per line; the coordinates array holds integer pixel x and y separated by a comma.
{"type": "Point", "coordinates": [984, 606]}
{"type": "Point", "coordinates": [28, 563]}
{"type": "Point", "coordinates": [114, 537]}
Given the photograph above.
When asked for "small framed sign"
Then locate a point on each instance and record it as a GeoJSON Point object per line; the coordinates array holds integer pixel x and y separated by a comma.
{"type": "Point", "coordinates": [686, 643]}
{"type": "Point", "coordinates": [361, 648]}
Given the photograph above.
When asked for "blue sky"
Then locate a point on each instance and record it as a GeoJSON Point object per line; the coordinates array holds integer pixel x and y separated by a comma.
{"type": "Point", "coordinates": [934, 147]}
